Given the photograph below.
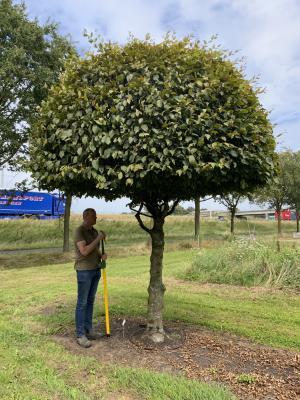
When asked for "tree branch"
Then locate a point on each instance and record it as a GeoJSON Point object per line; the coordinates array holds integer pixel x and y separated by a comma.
{"type": "Point", "coordinates": [206, 199]}
{"type": "Point", "coordinates": [175, 204]}
{"type": "Point", "coordinates": [138, 217]}
{"type": "Point", "coordinates": [7, 159]}
{"type": "Point", "coordinates": [138, 211]}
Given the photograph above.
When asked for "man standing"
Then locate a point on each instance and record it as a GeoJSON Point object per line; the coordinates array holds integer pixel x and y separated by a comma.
{"type": "Point", "coordinates": [87, 259]}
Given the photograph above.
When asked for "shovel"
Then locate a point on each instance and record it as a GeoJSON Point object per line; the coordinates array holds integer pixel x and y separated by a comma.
{"type": "Point", "coordinates": [105, 292]}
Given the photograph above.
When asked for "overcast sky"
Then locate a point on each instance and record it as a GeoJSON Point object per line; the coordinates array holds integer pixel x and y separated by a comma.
{"type": "Point", "coordinates": [266, 33]}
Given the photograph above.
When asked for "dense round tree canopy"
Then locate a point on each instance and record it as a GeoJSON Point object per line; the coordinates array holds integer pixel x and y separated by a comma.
{"type": "Point", "coordinates": [150, 121]}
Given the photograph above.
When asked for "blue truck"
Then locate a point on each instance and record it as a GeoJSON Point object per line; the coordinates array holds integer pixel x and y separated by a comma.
{"type": "Point", "coordinates": [36, 205]}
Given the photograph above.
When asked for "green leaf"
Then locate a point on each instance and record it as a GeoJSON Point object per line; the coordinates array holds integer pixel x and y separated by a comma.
{"type": "Point", "coordinates": [192, 159]}
{"type": "Point", "coordinates": [67, 133]}
{"type": "Point", "coordinates": [95, 129]}
{"type": "Point", "coordinates": [92, 147]}
{"type": "Point", "coordinates": [95, 164]}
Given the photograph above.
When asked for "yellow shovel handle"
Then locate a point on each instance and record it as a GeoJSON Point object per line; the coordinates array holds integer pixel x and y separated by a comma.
{"type": "Point", "coordinates": [107, 326]}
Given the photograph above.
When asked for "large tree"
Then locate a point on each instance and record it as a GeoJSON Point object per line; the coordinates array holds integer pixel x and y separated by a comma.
{"type": "Point", "coordinates": [31, 58]}
{"type": "Point", "coordinates": [157, 123]}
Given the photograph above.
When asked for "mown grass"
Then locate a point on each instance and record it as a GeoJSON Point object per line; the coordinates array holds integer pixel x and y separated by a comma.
{"type": "Point", "coordinates": [247, 263]}
{"type": "Point", "coordinates": [15, 234]}
{"type": "Point", "coordinates": [34, 367]}
{"type": "Point", "coordinates": [267, 315]}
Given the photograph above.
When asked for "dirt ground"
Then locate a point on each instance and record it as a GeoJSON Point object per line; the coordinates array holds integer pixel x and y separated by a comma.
{"type": "Point", "coordinates": [249, 370]}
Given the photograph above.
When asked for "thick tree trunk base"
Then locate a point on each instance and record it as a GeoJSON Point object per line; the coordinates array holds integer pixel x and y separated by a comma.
{"type": "Point", "coordinates": [155, 332]}
{"type": "Point", "coordinates": [172, 338]}
{"type": "Point", "coordinates": [155, 337]}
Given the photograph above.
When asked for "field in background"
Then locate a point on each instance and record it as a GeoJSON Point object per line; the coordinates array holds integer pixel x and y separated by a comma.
{"type": "Point", "coordinates": [123, 231]}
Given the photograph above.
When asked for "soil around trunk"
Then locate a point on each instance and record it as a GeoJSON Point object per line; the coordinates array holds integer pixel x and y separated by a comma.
{"type": "Point", "coordinates": [249, 370]}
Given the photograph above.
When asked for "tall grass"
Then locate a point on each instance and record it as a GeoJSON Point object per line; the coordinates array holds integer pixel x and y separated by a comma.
{"type": "Point", "coordinates": [247, 263]}
{"type": "Point", "coordinates": [125, 231]}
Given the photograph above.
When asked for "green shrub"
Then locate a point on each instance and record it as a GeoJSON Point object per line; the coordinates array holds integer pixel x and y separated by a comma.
{"type": "Point", "coordinates": [247, 263]}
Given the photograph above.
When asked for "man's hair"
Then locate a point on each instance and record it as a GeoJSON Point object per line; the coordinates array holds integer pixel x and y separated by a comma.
{"type": "Point", "coordinates": [88, 211]}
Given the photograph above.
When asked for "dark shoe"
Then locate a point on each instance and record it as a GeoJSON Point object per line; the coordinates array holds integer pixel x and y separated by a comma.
{"type": "Point", "coordinates": [84, 342]}
{"type": "Point", "coordinates": [91, 335]}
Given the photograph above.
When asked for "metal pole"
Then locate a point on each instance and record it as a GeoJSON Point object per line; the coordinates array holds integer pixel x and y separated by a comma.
{"type": "Point", "coordinates": [107, 325]}
{"type": "Point", "coordinates": [105, 293]}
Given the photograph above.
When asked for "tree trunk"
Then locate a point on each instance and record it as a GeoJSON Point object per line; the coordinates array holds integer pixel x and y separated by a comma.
{"type": "Point", "coordinates": [66, 245]}
{"type": "Point", "coordinates": [232, 215]}
{"type": "Point", "coordinates": [297, 218]}
{"type": "Point", "coordinates": [197, 218]}
{"type": "Point", "coordinates": [156, 287]}
{"type": "Point", "coordinates": [279, 224]}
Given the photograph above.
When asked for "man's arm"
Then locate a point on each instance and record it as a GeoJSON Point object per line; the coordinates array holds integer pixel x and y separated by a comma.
{"type": "Point", "coordinates": [86, 249]}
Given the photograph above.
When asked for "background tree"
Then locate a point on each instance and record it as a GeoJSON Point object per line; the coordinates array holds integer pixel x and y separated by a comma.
{"type": "Point", "coordinates": [230, 201]}
{"type": "Point", "coordinates": [197, 219]}
{"type": "Point", "coordinates": [275, 194]}
{"type": "Point", "coordinates": [190, 210]}
{"type": "Point", "coordinates": [158, 123]}
{"type": "Point", "coordinates": [292, 181]}
{"type": "Point", "coordinates": [197, 202]}
{"type": "Point", "coordinates": [180, 210]}
{"type": "Point", "coordinates": [31, 58]}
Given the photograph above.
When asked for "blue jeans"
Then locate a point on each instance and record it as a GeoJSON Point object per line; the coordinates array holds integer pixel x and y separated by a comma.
{"type": "Point", "coordinates": [87, 282]}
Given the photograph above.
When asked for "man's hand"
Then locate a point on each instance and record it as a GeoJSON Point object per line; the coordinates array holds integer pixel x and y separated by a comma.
{"type": "Point", "coordinates": [101, 236]}
{"type": "Point", "coordinates": [104, 257]}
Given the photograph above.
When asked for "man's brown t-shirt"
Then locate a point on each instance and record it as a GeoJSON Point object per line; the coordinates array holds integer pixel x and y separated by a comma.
{"type": "Point", "coordinates": [90, 261]}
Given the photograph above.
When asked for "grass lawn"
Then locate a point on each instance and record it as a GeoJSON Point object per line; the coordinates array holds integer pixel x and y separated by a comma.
{"type": "Point", "coordinates": [33, 366]}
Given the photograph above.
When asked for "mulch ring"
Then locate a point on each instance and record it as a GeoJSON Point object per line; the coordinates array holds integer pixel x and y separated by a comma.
{"type": "Point", "coordinates": [249, 370]}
